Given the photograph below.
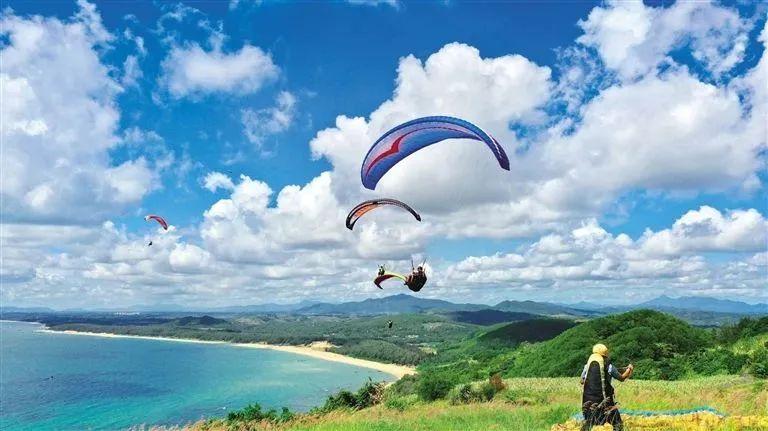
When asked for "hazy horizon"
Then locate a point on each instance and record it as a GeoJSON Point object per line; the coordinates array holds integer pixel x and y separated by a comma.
{"type": "Point", "coordinates": [197, 308]}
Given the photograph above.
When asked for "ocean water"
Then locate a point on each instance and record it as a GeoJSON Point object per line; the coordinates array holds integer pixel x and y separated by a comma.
{"type": "Point", "coordinates": [54, 381]}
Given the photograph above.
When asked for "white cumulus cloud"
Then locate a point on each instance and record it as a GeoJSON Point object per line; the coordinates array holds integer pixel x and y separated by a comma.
{"type": "Point", "coordinates": [60, 121]}
{"type": "Point", "coordinates": [634, 39]}
{"type": "Point", "coordinates": [189, 70]}
{"type": "Point", "coordinates": [216, 180]}
{"type": "Point", "coordinates": [259, 124]}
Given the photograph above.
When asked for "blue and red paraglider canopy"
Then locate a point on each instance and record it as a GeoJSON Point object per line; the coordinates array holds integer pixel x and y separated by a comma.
{"type": "Point", "coordinates": [409, 137]}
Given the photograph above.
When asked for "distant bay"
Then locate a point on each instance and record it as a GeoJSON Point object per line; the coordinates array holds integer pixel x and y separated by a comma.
{"type": "Point", "coordinates": [52, 381]}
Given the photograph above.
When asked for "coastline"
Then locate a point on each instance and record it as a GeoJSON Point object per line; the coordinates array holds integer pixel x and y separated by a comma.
{"type": "Point", "coordinates": [395, 370]}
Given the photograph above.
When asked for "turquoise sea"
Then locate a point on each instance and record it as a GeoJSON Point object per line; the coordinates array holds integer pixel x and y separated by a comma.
{"type": "Point", "coordinates": [54, 381]}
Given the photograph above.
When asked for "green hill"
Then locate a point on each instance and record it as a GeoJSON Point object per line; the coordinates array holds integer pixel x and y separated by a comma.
{"type": "Point", "coordinates": [488, 352]}
{"type": "Point", "coordinates": [660, 346]}
{"type": "Point", "coordinates": [488, 317]}
{"type": "Point", "coordinates": [527, 331]}
{"type": "Point", "coordinates": [655, 342]}
{"type": "Point", "coordinates": [200, 321]}
{"type": "Point", "coordinates": [395, 304]}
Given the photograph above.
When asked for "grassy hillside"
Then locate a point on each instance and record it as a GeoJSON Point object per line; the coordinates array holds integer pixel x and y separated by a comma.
{"type": "Point", "coordinates": [528, 331]}
{"type": "Point", "coordinates": [655, 342]}
{"type": "Point", "coordinates": [489, 316]}
{"type": "Point", "coordinates": [659, 345]}
{"type": "Point", "coordinates": [488, 352]}
{"type": "Point", "coordinates": [527, 404]}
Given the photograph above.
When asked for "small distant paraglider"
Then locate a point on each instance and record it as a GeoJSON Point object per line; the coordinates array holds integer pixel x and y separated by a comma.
{"type": "Point", "coordinates": [389, 324]}
{"type": "Point", "coordinates": [161, 221]}
{"type": "Point", "coordinates": [158, 219]}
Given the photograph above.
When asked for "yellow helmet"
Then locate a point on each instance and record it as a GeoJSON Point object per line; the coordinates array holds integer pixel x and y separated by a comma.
{"type": "Point", "coordinates": [600, 349]}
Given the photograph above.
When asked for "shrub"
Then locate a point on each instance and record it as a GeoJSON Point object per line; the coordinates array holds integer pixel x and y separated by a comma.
{"type": "Point", "coordinates": [285, 415]}
{"type": "Point", "coordinates": [468, 393]}
{"type": "Point", "coordinates": [407, 385]}
{"type": "Point", "coordinates": [718, 361]}
{"type": "Point", "coordinates": [366, 396]}
{"type": "Point", "coordinates": [497, 383]}
{"type": "Point", "coordinates": [758, 363]}
{"type": "Point", "coordinates": [461, 394]}
{"type": "Point", "coordinates": [383, 351]}
{"type": "Point", "coordinates": [486, 391]}
{"type": "Point", "coordinates": [432, 387]}
{"type": "Point", "coordinates": [525, 397]}
{"type": "Point", "coordinates": [399, 403]}
{"type": "Point", "coordinates": [340, 400]}
{"type": "Point", "coordinates": [253, 412]}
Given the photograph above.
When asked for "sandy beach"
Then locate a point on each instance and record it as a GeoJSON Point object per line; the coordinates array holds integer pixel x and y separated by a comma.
{"type": "Point", "coordinates": [315, 350]}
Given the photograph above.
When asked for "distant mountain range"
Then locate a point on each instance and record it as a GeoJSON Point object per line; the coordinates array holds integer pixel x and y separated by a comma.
{"type": "Point", "coordinates": [265, 308]}
{"type": "Point", "coordinates": [701, 303]}
{"type": "Point", "coordinates": [545, 309]}
{"type": "Point", "coordinates": [404, 303]}
{"type": "Point", "coordinates": [690, 303]}
{"type": "Point", "coordinates": [173, 309]}
{"type": "Point", "coordinates": [689, 308]}
{"type": "Point", "coordinates": [395, 304]}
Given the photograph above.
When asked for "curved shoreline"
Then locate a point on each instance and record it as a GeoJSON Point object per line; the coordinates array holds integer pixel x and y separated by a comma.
{"type": "Point", "coordinates": [395, 370]}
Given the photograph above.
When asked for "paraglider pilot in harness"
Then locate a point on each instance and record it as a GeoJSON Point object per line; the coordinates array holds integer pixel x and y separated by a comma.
{"type": "Point", "coordinates": [417, 278]}
{"type": "Point", "coordinates": [597, 401]}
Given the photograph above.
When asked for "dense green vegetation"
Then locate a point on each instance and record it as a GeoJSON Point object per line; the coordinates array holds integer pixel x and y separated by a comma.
{"type": "Point", "coordinates": [658, 344]}
{"type": "Point", "coordinates": [489, 352]}
{"type": "Point", "coordinates": [661, 347]}
{"type": "Point", "coordinates": [409, 340]}
{"type": "Point", "coordinates": [254, 413]}
{"type": "Point", "coordinates": [746, 328]}
{"type": "Point", "coordinates": [368, 395]}
{"type": "Point", "coordinates": [527, 331]}
{"type": "Point", "coordinates": [653, 341]}
{"type": "Point", "coordinates": [383, 351]}
{"type": "Point", "coordinates": [489, 316]}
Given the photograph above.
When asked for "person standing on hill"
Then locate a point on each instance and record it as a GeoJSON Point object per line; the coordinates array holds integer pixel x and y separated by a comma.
{"type": "Point", "coordinates": [597, 401]}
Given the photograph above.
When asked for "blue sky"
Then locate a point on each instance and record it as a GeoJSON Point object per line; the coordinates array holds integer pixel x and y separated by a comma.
{"type": "Point", "coordinates": [242, 124]}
